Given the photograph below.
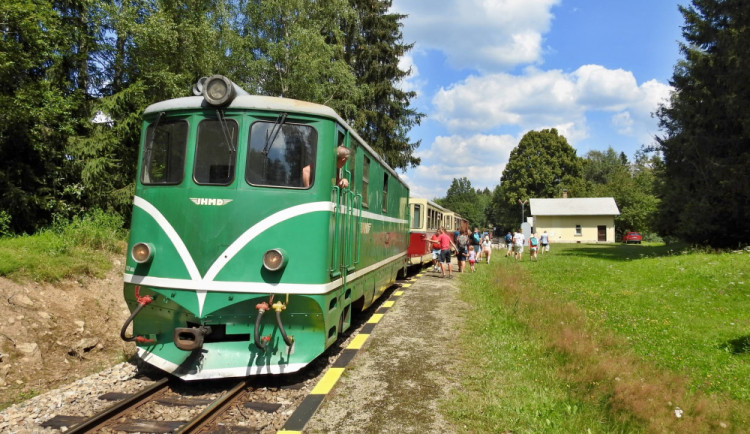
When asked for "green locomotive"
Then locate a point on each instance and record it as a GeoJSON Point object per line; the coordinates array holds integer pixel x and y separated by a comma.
{"type": "Point", "coordinates": [252, 243]}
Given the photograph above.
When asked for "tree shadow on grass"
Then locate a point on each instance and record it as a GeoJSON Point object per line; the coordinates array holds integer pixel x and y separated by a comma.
{"type": "Point", "coordinates": [622, 252]}
{"type": "Point", "coordinates": [740, 345]}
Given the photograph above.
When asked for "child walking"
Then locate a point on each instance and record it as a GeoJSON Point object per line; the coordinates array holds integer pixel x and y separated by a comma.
{"type": "Point", "coordinates": [472, 257]}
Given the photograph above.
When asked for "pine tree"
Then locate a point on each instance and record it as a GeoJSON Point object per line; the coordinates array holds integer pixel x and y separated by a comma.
{"type": "Point", "coordinates": [706, 146]}
{"type": "Point", "coordinates": [384, 116]}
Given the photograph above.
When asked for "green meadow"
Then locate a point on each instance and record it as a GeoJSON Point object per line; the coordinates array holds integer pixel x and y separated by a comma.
{"type": "Point", "coordinates": [607, 338]}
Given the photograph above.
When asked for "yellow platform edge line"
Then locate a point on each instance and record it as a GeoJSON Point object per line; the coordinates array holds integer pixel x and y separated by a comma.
{"type": "Point", "coordinates": [358, 341]}
{"type": "Point", "coordinates": [328, 381]}
{"type": "Point", "coordinates": [375, 318]}
{"type": "Point", "coordinates": [398, 293]}
{"type": "Point", "coordinates": [388, 303]}
{"type": "Point", "coordinates": [405, 285]}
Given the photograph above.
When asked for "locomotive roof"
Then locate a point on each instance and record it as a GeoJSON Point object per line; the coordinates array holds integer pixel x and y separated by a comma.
{"type": "Point", "coordinates": [271, 103]}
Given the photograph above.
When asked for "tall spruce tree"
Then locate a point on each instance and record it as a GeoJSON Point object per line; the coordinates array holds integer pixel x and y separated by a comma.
{"type": "Point", "coordinates": [706, 146]}
{"type": "Point", "coordinates": [374, 46]}
{"type": "Point", "coordinates": [295, 49]}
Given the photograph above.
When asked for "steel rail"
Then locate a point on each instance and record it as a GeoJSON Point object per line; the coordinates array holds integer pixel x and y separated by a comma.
{"type": "Point", "coordinates": [118, 408]}
{"type": "Point", "coordinates": [212, 410]}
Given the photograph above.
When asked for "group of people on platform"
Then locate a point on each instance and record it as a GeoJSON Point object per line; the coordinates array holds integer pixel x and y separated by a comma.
{"type": "Point", "coordinates": [469, 246]}
{"type": "Point", "coordinates": [516, 241]}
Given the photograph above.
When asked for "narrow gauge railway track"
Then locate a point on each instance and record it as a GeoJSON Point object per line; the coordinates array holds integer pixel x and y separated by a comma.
{"type": "Point", "coordinates": [176, 407]}
{"type": "Point", "coordinates": [254, 404]}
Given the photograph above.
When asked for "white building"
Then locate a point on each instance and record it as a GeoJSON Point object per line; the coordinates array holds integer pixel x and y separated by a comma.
{"type": "Point", "coordinates": [575, 220]}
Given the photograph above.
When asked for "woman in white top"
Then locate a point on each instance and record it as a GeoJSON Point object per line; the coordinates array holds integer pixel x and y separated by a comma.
{"type": "Point", "coordinates": [487, 248]}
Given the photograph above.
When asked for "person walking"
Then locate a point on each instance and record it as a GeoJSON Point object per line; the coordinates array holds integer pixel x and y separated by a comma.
{"type": "Point", "coordinates": [518, 241]}
{"type": "Point", "coordinates": [508, 244]}
{"type": "Point", "coordinates": [544, 240]}
{"type": "Point", "coordinates": [472, 258]}
{"type": "Point", "coordinates": [435, 246]}
{"type": "Point", "coordinates": [445, 252]}
{"type": "Point", "coordinates": [476, 241]}
{"type": "Point", "coordinates": [533, 246]}
{"type": "Point", "coordinates": [487, 248]}
{"type": "Point", "coordinates": [462, 243]}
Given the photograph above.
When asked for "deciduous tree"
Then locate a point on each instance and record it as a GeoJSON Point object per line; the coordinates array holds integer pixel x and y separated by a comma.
{"type": "Point", "coordinates": [540, 166]}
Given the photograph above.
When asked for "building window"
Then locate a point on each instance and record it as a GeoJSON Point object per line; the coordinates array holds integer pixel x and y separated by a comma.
{"type": "Point", "coordinates": [579, 231]}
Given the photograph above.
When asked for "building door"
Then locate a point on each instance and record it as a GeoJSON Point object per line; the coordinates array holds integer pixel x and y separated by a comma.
{"type": "Point", "coordinates": [602, 231]}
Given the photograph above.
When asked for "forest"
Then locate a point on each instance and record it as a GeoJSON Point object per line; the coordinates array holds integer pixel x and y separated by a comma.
{"type": "Point", "coordinates": [75, 76]}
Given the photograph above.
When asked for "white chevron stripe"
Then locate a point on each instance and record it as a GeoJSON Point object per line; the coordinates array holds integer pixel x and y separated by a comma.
{"type": "Point", "coordinates": [177, 242]}
{"type": "Point", "coordinates": [259, 228]}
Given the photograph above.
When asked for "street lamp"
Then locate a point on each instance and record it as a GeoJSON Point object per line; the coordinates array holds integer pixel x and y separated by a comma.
{"type": "Point", "coordinates": [523, 210]}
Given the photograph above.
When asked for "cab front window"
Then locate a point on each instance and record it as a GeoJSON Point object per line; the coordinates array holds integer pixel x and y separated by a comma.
{"type": "Point", "coordinates": [164, 152]}
{"type": "Point", "coordinates": [215, 152]}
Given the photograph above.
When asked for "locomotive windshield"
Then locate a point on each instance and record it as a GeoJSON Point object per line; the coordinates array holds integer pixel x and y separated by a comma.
{"type": "Point", "coordinates": [164, 156]}
{"type": "Point", "coordinates": [215, 151]}
{"type": "Point", "coordinates": [281, 155]}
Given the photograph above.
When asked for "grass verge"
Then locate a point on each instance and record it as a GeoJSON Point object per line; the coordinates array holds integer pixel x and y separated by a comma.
{"type": "Point", "coordinates": [67, 249]}
{"type": "Point", "coordinates": [606, 339]}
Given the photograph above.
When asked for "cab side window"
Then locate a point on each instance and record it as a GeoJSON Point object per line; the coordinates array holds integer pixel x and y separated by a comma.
{"type": "Point", "coordinates": [281, 155]}
{"type": "Point", "coordinates": [365, 182]}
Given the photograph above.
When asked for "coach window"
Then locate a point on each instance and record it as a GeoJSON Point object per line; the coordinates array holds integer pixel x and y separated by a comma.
{"type": "Point", "coordinates": [416, 217]}
{"type": "Point", "coordinates": [164, 153]}
{"type": "Point", "coordinates": [365, 182]}
{"type": "Point", "coordinates": [215, 152]}
{"type": "Point", "coordinates": [281, 154]}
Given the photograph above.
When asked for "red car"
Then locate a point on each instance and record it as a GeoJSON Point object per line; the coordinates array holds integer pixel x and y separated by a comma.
{"type": "Point", "coordinates": [631, 237]}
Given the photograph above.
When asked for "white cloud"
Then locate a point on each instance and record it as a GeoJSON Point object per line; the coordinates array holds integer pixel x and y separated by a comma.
{"type": "Point", "coordinates": [623, 122]}
{"type": "Point", "coordinates": [486, 35]}
{"type": "Point", "coordinates": [481, 158]}
{"type": "Point", "coordinates": [545, 99]}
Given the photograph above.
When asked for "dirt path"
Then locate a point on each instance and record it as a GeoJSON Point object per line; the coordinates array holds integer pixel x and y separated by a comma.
{"type": "Point", "coordinates": [407, 366]}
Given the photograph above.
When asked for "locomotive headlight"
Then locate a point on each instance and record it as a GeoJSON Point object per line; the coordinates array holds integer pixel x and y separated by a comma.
{"type": "Point", "coordinates": [274, 259]}
{"type": "Point", "coordinates": [218, 90]}
{"type": "Point", "coordinates": [142, 253]}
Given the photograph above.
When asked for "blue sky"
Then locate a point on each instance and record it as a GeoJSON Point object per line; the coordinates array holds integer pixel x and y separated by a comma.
{"type": "Point", "coordinates": [488, 71]}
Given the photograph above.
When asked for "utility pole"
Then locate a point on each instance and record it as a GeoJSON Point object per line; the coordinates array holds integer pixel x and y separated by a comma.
{"type": "Point", "coordinates": [523, 210]}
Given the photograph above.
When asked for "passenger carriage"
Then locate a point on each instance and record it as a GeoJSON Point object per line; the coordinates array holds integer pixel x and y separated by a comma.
{"type": "Point", "coordinates": [426, 218]}
{"type": "Point", "coordinates": [245, 256]}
